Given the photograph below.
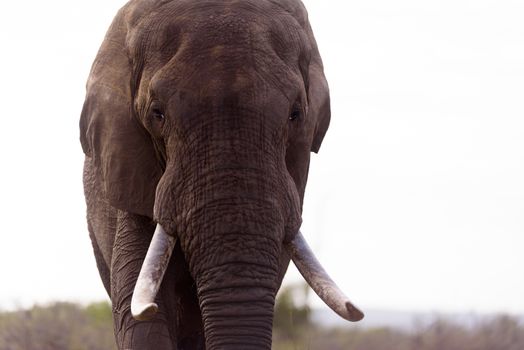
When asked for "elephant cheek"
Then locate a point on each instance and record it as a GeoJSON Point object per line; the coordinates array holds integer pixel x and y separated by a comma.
{"type": "Point", "coordinates": [165, 210]}
{"type": "Point", "coordinates": [293, 220]}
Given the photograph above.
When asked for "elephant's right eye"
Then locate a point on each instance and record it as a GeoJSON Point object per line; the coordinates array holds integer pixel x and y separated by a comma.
{"type": "Point", "coordinates": [157, 114]}
{"type": "Point", "coordinates": [157, 118]}
{"type": "Point", "coordinates": [156, 111]}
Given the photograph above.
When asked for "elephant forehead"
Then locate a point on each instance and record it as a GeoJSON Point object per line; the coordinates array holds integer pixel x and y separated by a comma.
{"type": "Point", "coordinates": [211, 27]}
{"type": "Point", "coordinates": [219, 46]}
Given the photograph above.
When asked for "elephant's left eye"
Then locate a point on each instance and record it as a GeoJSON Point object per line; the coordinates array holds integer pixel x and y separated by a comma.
{"type": "Point", "coordinates": [294, 115]}
{"type": "Point", "coordinates": [296, 112]}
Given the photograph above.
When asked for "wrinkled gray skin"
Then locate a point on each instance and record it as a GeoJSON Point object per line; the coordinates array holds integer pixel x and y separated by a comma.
{"type": "Point", "coordinates": [201, 116]}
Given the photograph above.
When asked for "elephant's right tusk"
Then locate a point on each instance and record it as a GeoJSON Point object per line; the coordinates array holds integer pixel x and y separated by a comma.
{"type": "Point", "coordinates": [143, 306]}
{"type": "Point", "coordinates": [319, 280]}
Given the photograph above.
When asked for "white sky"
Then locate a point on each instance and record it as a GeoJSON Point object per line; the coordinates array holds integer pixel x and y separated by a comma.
{"type": "Point", "coordinates": [415, 201]}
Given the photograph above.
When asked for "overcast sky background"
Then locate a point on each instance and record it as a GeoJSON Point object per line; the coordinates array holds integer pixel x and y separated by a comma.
{"type": "Point", "coordinates": [415, 201]}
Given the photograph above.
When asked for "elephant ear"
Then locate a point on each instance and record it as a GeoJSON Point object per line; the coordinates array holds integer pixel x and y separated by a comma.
{"type": "Point", "coordinates": [317, 91]}
{"type": "Point", "coordinates": [120, 149]}
{"type": "Point", "coordinates": [313, 72]}
{"type": "Point", "coordinates": [319, 103]}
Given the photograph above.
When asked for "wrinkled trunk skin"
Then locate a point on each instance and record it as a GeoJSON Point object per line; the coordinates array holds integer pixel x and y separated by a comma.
{"type": "Point", "coordinates": [236, 269]}
{"type": "Point", "coordinates": [242, 321]}
{"type": "Point", "coordinates": [232, 208]}
{"type": "Point", "coordinates": [233, 250]}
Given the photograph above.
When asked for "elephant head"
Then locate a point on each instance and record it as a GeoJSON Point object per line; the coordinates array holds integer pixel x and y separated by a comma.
{"type": "Point", "coordinates": [202, 115]}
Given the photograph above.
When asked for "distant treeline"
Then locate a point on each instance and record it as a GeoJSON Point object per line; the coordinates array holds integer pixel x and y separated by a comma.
{"type": "Point", "coordinates": [293, 330]}
{"type": "Point", "coordinates": [502, 333]}
{"type": "Point", "coordinates": [66, 326]}
{"type": "Point", "coordinates": [61, 326]}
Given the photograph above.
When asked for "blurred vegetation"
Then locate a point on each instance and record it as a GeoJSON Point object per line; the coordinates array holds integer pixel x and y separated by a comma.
{"type": "Point", "coordinates": [293, 330]}
{"type": "Point", "coordinates": [292, 318]}
{"type": "Point", "coordinates": [501, 333]}
{"type": "Point", "coordinates": [60, 326]}
{"type": "Point", "coordinates": [66, 326]}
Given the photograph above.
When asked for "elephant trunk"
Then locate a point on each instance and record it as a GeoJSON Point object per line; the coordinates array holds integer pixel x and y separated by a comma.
{"type": "Point", "coordinates": [236, 269]}
{"type": "Point", "coordinates": [237, 317]}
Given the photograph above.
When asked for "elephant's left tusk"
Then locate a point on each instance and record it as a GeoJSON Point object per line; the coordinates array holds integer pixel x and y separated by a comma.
{"type": "Point", "coordinates": [143, 306]}
{"type": "Point", "coordinates": [319, 280]}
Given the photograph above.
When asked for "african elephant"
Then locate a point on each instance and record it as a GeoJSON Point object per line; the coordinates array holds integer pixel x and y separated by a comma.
{"type": "Point", "coordinates": [197, 129]}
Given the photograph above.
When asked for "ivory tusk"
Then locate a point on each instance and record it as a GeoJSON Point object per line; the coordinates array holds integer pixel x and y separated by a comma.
{"type": "Point", "coordinates": [143, 306]}
{"type": "Point", "coordinates": [319, 280]}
